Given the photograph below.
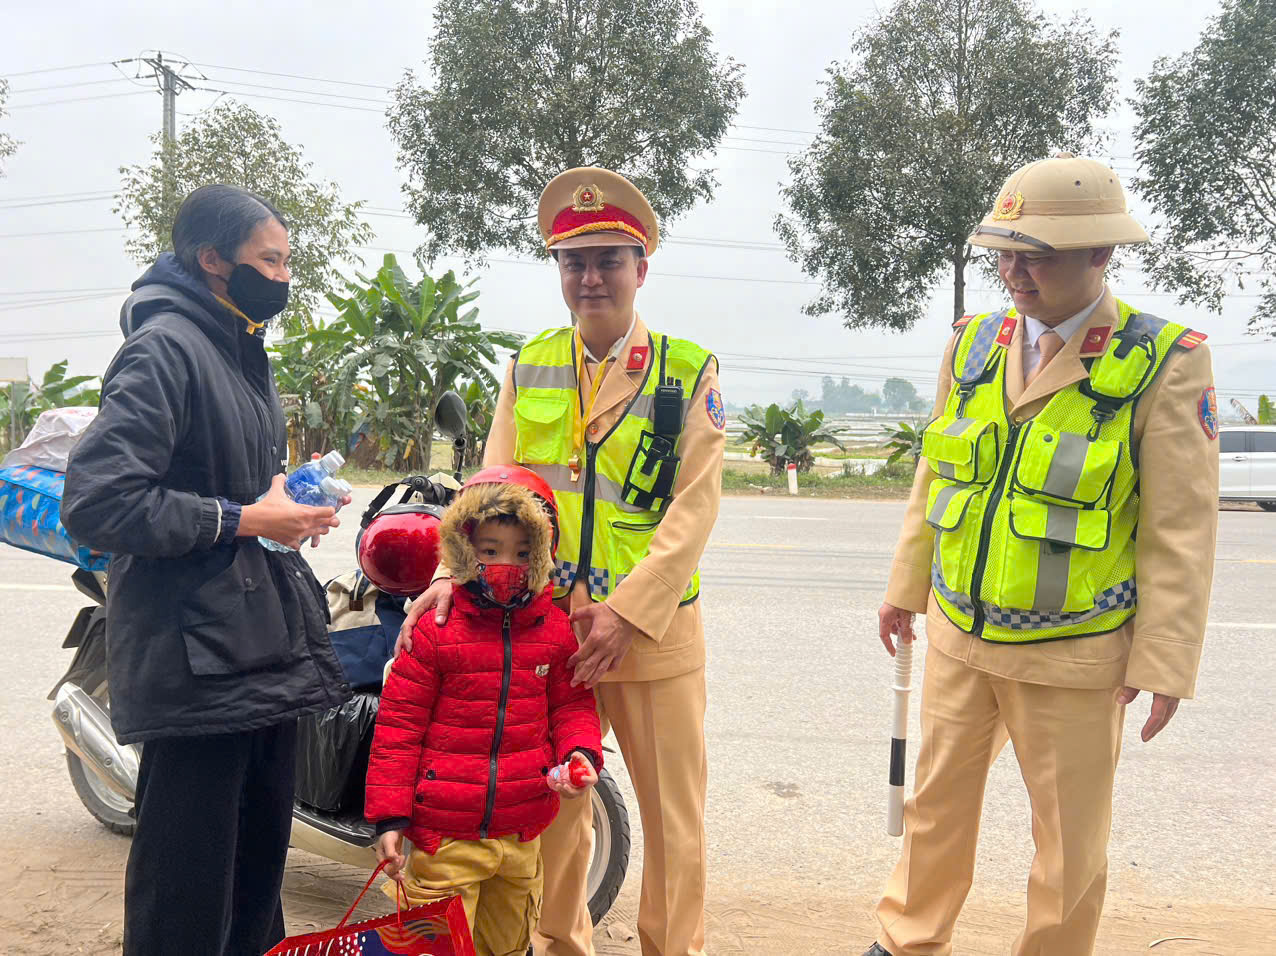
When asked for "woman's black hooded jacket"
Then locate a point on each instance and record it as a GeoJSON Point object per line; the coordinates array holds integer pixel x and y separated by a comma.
{"type": "Point", "coordinates": [206, 632]}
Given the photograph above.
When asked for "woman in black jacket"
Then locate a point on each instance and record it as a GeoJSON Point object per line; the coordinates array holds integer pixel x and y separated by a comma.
{"type": "Point", "coordinates": [215, 644]}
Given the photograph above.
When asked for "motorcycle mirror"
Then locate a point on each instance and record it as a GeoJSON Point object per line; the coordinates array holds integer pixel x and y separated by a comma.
{"type": "Point", "coordinates": [450, 416]}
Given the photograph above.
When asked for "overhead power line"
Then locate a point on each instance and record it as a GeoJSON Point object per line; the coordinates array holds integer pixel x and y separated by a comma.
{"type": "Point", "coordinates": [77, 99]}
{"type": "Point", "coordinates": [55, 202]}
{"type": "Point", "coordinates": [292, 76]}
{"type": "Point", "coordinates": [87, 192]}
{"type": "Point", "coordinates": [56, 69]}
{"type": "Point", "coordinates": [67, 86]}
{"type": "Point", "coordinates": [58, 232]}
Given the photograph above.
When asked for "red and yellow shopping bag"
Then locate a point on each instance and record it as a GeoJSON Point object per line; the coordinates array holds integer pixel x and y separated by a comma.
{"type": "Point", "coordinates": [434, 929]}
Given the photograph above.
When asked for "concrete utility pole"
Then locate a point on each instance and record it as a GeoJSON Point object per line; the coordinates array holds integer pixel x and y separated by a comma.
{"type": "Point", "coordinates": [170, 85]}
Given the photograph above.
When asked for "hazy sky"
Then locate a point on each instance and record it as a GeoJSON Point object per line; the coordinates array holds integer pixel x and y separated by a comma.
{"type": "Point", "coordinates": [743, 304]}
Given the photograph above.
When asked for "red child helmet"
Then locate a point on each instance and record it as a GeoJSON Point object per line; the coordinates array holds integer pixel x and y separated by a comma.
{"type": "Point", "coordinates": [399, 549]}
{"type": "Point", "coordinates": [518, 475]}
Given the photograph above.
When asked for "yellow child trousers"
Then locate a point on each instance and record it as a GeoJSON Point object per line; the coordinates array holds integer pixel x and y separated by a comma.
{"type": "Point", "coordinates": [498, 880]}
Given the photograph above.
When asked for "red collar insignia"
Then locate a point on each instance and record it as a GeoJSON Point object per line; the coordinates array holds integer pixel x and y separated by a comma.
{"type": "Point", "coordinates": [1096, 340]}
{"type": "Point", "coordinates": [1007, 330]}
{"type": "Point", "coordinates": [637, 359]}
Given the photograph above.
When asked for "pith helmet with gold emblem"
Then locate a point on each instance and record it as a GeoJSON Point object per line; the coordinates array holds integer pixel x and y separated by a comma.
{"type": "Point", "coordinates": [1065, 202]}
{"type": "Point", "coordinates": [590, 206]}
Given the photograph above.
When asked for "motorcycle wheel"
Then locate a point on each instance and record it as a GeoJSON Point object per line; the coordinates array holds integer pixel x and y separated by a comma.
{"type": "Point", "coordinates": [611, 846]}
{"type": "Point", "coordinates": [107, 807]}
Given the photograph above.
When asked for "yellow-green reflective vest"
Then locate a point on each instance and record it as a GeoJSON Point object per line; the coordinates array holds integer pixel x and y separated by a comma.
{"type": "Point", "coordinates": [608, 516]}
{"type": "Point", "coordinates": [1035, 521]}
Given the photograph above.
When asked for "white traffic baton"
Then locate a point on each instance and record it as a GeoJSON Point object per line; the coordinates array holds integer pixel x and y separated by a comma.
{"type": "Point", "coordinates": [899, 736]}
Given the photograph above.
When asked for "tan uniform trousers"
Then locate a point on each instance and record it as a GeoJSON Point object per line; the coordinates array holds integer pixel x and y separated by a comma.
{"type": "Point", "coordinates": [1067, 742]}
{"type": "Point", "coordinates": [499, 882]}
{"type": "Point", "coordinates": [659, 725]}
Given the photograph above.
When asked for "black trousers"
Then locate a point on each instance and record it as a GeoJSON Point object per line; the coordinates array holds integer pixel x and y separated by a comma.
{"type": "Point", "coordinates": [207, 863]}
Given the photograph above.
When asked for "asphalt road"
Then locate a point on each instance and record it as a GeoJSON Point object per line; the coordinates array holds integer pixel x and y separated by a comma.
{"type": "Point", "coordinates": [797, 727]}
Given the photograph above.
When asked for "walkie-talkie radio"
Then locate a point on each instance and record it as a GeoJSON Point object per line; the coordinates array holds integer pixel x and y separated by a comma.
{"type": "Point", "coordinates": [650, 481]}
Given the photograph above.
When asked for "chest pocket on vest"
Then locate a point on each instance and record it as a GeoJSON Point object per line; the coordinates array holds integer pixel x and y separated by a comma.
{"type": "Point", "coordinates": [652, 472]}
{"type": "Point", "coordinates": [1066, 467]}
{"type": "Point", "coordinates": [961, 449]}
{"type": "Point", "coordinates": [1059, 523]}
{"type": "Point", "coordinates": [953, 509]}
{"type": "Point", "coordinates": [543, 424]}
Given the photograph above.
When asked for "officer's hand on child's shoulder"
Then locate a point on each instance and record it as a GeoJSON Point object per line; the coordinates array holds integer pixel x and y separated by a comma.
{"type": "Point", "coordinates": [390, 848]}
{"type": "Point", "coordinates": [439, 597]}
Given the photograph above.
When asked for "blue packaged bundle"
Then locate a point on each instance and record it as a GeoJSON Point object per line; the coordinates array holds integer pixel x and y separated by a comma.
{"type": "Point", "coordinates": [30, 517]}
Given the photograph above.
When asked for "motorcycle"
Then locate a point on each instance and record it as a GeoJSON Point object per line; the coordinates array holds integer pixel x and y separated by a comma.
{"type": "Point", "coordinates": [104, 772]}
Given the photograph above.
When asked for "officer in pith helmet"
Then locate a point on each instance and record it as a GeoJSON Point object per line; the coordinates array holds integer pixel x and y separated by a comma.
{"type": "Point", "coordinates": [1060, 541]}
{"type": "Point", "coordinates": [627, 426]}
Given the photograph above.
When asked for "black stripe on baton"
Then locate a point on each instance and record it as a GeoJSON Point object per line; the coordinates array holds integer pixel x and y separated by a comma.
{"type": "Point", "coordinates": [897, 761]}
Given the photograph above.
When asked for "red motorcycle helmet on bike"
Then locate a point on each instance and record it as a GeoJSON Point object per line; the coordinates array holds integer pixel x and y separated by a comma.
{"type": "Point", "coordinates": [399, 548]}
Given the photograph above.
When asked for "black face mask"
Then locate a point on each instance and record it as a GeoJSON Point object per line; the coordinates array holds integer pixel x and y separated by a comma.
{"type": "Point", "coordinates": [259, 298]}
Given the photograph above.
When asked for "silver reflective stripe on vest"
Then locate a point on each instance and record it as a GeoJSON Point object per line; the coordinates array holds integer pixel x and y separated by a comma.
{"type": "Point", "coordinates": [1052, 560]}
{"type": "Point", "coordinates": [644, 406]}
{"type": "Point", "coordinates": [560, 479]}
{"type": "Point", "coordinates": [1066, 465]}
{"type": "Point", "coordinates": [980, 349]}
{"type": "Point", "coordinates": [942, 499]}
{"type": "Point", "coordinates": [609, 491]}
{"type": "Point", "coordinates": [545, 376]}
{"type": "Point", "coordinates": [558, 476]}
{"type": "Point", "coordinates": [947, 469]}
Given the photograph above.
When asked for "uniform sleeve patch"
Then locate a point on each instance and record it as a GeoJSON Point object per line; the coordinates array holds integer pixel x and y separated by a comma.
{"type": "Point", "coordinates": [1207, 412]}
{"type": "Point", "coordinates": [717, 411]}
{"type": "Point", "coordinates": [1191, 339]}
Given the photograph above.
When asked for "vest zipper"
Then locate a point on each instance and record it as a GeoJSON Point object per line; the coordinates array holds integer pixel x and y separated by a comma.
{"type": "Point", "coordinates": [507, 670]}
{"type": "Point", "coordinates": [587, 517]}
{"type": "Point", "coordinates": [985, 532]}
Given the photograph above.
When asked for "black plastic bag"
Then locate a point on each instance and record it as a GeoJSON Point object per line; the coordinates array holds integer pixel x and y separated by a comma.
{"type": "Point", "coordinates": [332, 754]}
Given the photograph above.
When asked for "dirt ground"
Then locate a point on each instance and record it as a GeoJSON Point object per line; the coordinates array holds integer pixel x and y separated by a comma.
{"type": "Point", "coordinates": [53, 900]}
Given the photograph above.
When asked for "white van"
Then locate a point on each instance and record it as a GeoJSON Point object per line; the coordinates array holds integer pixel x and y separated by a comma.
{"type": "Point", "coordinates": [1247, 464]}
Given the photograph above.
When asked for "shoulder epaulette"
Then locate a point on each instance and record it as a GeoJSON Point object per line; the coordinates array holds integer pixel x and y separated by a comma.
{"type": "Point", "coordinates": [963, 321]}
{"type": "Point", "coordinates": [1191, 339]}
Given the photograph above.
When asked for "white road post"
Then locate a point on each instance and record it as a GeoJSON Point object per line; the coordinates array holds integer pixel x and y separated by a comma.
{"type": "Point", "coordinates": [899, 736]}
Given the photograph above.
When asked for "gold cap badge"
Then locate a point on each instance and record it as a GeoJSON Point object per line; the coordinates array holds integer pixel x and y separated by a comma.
{"type": "Point", "coordinates": [1010, 206]}
{"type": "Point", "coordinates": [587, 199]}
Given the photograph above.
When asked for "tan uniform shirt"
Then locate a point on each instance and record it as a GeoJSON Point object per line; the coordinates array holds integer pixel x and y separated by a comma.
{"type": "Point", "coordinates": [1159, 649]}
{"type": "Point", "coordinates": [672, 639]}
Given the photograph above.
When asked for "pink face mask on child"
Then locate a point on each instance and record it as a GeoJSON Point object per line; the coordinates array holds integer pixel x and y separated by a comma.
{"type": "Point", "coordinates": [503, 583]}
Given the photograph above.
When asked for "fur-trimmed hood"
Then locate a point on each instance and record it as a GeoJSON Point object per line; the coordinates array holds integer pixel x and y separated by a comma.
{"type": "Point", "coordinates": [481, 502]}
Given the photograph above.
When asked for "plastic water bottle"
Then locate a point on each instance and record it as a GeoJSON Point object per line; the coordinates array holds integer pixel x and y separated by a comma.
{"type": "Point", "coordinates": [314, 484]}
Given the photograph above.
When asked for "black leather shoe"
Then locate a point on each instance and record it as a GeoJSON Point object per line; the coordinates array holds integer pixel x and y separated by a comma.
{"type": "Point", "coordinates": [876, 950]}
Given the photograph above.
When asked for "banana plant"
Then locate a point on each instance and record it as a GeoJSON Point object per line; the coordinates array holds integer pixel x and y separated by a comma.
{"type": "Point", "coordinates": [409, 342]}
{"type": "Point", "coordinates": [782, 435]}
{"type": "Point", "coordinates": [906, 439]}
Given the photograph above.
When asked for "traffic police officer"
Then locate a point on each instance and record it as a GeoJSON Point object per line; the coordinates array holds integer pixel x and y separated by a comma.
{"type": "Point", "coordinates": [627, 426]}
{"type": "Point", "coordinates": [1060, 540]}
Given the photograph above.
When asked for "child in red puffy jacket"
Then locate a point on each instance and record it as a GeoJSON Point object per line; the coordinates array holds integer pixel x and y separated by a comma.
{"type": "Point", "coordinates": [476, 720]}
